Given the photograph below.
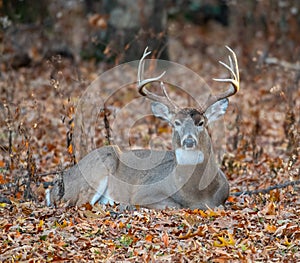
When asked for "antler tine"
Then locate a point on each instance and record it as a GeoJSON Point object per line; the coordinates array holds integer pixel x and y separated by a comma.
{"type": "Point", "coordinates": [234, 80]}
{"type": "Point", "coordinates": [142, 65]}
{"type": "Point", "coordinates": [143, 82]}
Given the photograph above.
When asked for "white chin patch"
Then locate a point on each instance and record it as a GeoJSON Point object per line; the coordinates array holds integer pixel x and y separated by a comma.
{"type": "Point", "coordinates": [188, 157]}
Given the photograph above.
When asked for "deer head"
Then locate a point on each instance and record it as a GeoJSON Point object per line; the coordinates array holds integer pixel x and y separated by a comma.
{"type": "Point", "coordinates": [189, 124]}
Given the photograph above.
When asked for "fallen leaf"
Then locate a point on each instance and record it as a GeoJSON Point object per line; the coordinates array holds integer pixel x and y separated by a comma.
{"type": "Point", "coordinates": [149, 238]}
{"type": "Point", "coordinates": [165, 239]}
{"type": "Point", "coordinates": [225, 242]}
{"type": "Point", "coordinates": [270, 228]}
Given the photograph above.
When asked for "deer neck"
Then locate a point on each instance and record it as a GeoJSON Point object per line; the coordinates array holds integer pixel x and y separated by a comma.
{"type": "Point", "coordinates": [197, 168]}
{"type": "Point", "coordinates": [189, 157]}
{"type": "Point", "coordinates": [197, 156]}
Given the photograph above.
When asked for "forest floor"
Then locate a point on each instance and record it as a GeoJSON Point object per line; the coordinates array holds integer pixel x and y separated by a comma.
{"type": "Point", "coordinates": [262, 150]}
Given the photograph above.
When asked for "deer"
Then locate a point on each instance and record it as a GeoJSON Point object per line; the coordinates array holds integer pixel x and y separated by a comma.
{"type": "Point", "coordinates": [187, 176]}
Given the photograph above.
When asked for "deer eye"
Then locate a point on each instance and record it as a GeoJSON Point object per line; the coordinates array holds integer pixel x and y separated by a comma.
{"type": "Point", "coordinates": [177, 123]}
{"type": "Point", "coordinates": [200, 123]}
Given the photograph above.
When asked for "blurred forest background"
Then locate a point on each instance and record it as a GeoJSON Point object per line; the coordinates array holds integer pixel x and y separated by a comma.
{"type": "Point", "coordinates": [50, 51]}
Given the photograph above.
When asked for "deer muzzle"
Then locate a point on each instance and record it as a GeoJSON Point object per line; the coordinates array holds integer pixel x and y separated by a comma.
{"type": "Point", "coordinates": [189, 142]}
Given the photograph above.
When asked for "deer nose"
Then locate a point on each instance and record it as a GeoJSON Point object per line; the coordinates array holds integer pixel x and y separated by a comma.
{"type": "Point", "coordinates": [189, 142]}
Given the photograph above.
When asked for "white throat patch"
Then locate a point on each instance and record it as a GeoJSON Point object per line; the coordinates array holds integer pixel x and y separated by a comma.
{"type": "Point", "coordinates": [188, 157]}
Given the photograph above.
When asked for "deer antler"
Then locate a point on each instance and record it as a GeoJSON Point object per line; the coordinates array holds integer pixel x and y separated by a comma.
{"type": "Point", "coordinates": [234, 80]}
{"type": "Point", "coordinates": [143, 82]}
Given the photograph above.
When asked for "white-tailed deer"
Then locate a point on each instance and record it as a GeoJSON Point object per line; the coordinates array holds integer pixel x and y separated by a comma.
{"type": "Point", "coordinates": [187, 176]}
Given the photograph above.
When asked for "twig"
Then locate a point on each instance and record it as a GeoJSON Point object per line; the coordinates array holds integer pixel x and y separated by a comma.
{"type": "Point", "coordinates": [267, 190]}
{"type": "Point", "coordinates": [49, 173]}
{"type": "Point", "coordinates": [107, 125]}
{"type": "Point", "coordinates": [282, 63]}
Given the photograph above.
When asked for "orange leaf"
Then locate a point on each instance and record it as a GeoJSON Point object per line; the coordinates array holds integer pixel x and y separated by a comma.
{"type": "Point", "coordinates": [71, 222]}
{"type": "Point", "coordinates": [190, 234]}
{"type": "Point", "coordinates": [87, 206]}
{"type": "Point", "coordinates": [231, 199]}
{"type": "Point", "coordinates": [61, 244]}
{"type": "Point", "coordinates": [270, 228]}
{"type": "Point", "coordinates": [270, 209]}
{"type": "Point", "coordinates": [70, 149]}
{"type": "Point", "coordinates": [18, 234]}
{"type": "Point", "coordinates": [149, 238]}
{"type": "Point", "coordinates": [202, 213]}
{"type": "Point", "coordinates": [2, 180]}
{"type": "Point", "coordinates": [165, 239]}
{"type": "Point", "coordinates": [65, 223]}
{"type": "Point", "coordinates": [18, 195]}
{"type": "Point", "coordinates": [98, 20]}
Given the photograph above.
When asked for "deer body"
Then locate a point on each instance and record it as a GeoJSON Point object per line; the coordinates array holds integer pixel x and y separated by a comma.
{"type": "Point", "coordinates": [103, 185]}
{"type": "Point", "coordinates": [186, 177]}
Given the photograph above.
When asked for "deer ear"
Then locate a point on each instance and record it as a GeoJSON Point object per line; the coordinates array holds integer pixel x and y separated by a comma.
{"type": "Point", "coordinates": [161, 111]}
{"type": "Point", "coordinates": [216, 110]}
